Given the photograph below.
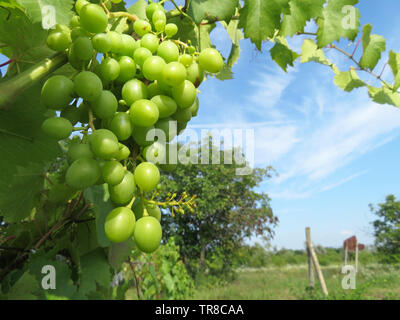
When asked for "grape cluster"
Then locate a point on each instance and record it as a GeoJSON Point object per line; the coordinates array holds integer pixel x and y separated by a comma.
{"type": "Point", "coordinates": [145, 80]}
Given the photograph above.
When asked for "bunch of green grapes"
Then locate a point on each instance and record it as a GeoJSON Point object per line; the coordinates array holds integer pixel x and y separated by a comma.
{"type": "Point", "coordinates": [145, 80]}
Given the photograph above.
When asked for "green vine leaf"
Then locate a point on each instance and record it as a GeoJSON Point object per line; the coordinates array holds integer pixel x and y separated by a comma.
{"type": "Point", "coordinates": [259, 19]}
{"type": "Point", "coordinates": [139, 8]}
{"type": "Point", "coordinates": [311, 52]}
{"type": "Point", "coordinates": [348, 80]}
{"type": "Point", "coordinates": [339, 19]}
{"type": "Point", "coordinates": [373, 46]}
{"type": "Point", "coordinates": [221, 10]}
{"type": "Point", "coordinates": [301, 11]}
{"type": "Point", "coordinates": [120, 252]}
{"type": "Point", "coordinates": [384, 96]}
{"type": "Point", "coordinates": [25, 288]}
{"type": "Point", "coordinates": [282, 54]}
{"type": "Point", "coordinates": [394, 63]}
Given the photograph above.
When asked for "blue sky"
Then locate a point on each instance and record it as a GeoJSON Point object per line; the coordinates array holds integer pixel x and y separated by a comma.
{"type": "Point", "coordinates": [335, 152]}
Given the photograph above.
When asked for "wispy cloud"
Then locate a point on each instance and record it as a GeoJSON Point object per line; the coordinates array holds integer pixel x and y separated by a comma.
{"type": "Point", "coordinates": [343, 181]}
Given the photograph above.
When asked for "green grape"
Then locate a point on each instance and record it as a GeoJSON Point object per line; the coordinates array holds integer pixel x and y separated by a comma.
{"type": "Point", "coordinates": [121, 126]}
{"type": "Point", "coordinates": [153, 7]}
{"type": "Point", "coordinates": [105, 105]}
{"type": "Point", "coordinates": [186, 59]}
{"type": "Point", "coordinates": [160, 25]}
{"type": "Point", "coordinates": [147, 176]}
{"type": "Point", "coordinates": [57, 92]}
{"type": "Point", "coordinates": [138, 208]}
{"type": "Point", "coordinates": [150, 41]}
{"type": "Point", "coordinates": [71, 113]}
{"type": "Point", "coordinates": [83, 48]}
{"type": "Point", "coordinates": [210, 60]}
{"type": "Point", "coordinates": [159, 15]}
{"type": "Point", "coordinates": [154, 211]}
{"type": "Point", "coordinates": [123, 152]}
{"type": "Point", "coordinates": [102, 42]}
{"type": "Point", "coordinates": [83, 109]}
{"type": "Point", "coordinates": [57, 128]}
{"type": "Point", "coordinates": [79, 4]}
{"type": "Point", "coordinates": [191, 50]}
{"type": "Point", "coordinates": [128, 45]}
{"type": "Point", "coordinates": [171, 29]}
{"type": "Point", "coordinates": [113, 172]}
{"type": "Point", "coordinates": [165, 88]}
{"type": "Point", "coordinates": [155, 153]}
{"type": "Point", "coordinates": [148, 234]}
{"type": "Point", "coordinates": [93, 18]}
{"type": "Point", "coordinates": [88, 85]}
{"type": "Point", "coordinates": [168, 126]}
{"type": "Point", "coordinates": [120, 223]}
{"type": "Point", "coordinates": [195, 107]}
{"type": "Point", "coordinates": [123, 192]}
{"type": "Point", "coordinates": [153, 68]}
{"type": "Point", "coordinates": [110, 69]}
{"type": "Point", "coordinates": [140, 55]}
{"type": "Point", "coordinates": [75, 22]}
{"type": "Point", "coordinates": [74, 61]}
{"type": "Point", "coordinates": [134, 90]}
{"type": "Point", "coordinates": [139, 134]}
{"type": "Point", "coordinates": [166, 105]}
{"type": "Point", "coordinates": [184, 94]}
{"type": "Point", "coordinates": [153, 90]}
{"type": "Point", "coordinates": [182, 126]}
{"type": "Point", "coordinates": [58, 41]}
{"type": "Point", "coordinates": [144, 113]}
{"type": "Point", "coordinates": [182, 115]}
{"type": "Point", "coordinates": [83, 173]}
{"type": "Point", "coordinates": [168, 51]}
{"type": "Point", "coordinates": [79, 150]}
{"type": "Point", "coordinates": [141, 27]}
{"type": "Point", "coordinates": [104, 144]}
{"type": "Point", "coordinates": [116, 41]}
{"type": "Point", "coordinates": [77, 32]}
{"type": "Point", "coordinates": [127, 68]}
{"type": "Point", "coordinates": [195, 74]}
{"type": "Point", "coordinates": [174, 73]}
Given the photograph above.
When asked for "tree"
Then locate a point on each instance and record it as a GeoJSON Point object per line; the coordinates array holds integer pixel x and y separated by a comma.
{"type": "Point", "coordinates": [228, 210]}
{"type": "Point", "coordinates": [387, 229]}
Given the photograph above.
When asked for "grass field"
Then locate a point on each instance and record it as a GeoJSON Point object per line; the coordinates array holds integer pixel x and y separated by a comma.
{"type": "Point", "coordinates": [287, 283]}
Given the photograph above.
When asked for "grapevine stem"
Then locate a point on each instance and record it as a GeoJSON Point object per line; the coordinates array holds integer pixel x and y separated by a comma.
{"type": "Point", "coordinates": [6, 63]}
{"type": "Point", "coordinates": [131, 17]}
{"type": "Point", "coordinates": [11, 89]}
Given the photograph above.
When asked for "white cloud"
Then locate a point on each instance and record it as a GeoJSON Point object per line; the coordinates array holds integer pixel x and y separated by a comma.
{"type": "Point", "coordinates": [343, 181]}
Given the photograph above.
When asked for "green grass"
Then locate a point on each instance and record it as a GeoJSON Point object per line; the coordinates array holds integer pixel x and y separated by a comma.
{"type": "Point", "coordinates": [286, 283]}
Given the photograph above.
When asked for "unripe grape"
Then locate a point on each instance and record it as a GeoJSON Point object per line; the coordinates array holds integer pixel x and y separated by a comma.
{"type": "Point", "coordinates": [93, 18]}
{"type": "Point", "coordinates": [58, 41]}
{"type": "Point", "coordinates": [128, 45]}
{"type": "Point", "coordinates": [77, 32]}
{"type": "Point", "coordinates": [153, 90]}
{"type": "Point", "coordinates": [83, 48]}
{"type": "Point", "coordinates": [79, 4]}
{"type": "Point", "coordinates": [153, 7]}
{"type": "Point", "coordinates": [159, 25]}
{"type": "Point", "coordinates": [139, 134]}
{"type": "Point", "coordinates": [134, 90]}
{"type": "Point", "coordinates": [182, 116]}
{"type": "Point", "coordinates": [57, 92]}
{"type": "Point", "coordinates": [110, 69]}
{"type": "Point", "coordinates": [121, 126]}
{"type": "Point", "coordinates": [155, 153]}
{"type": "Point", "coordinates": [88, 85]}
{"type": "Point", "coordinates": [102, 43]}
{"type": "Point", "coordinates": [195, 74]}
{"type": "Point", "coordinates": [186, 60]}
{"type": "Point", "coordinates": [174, 73]}
{"type": "Point", "coordinates": [116, 41]}
{"type": "Point", "coordinates": [159, 15]}
{"type": "Point", "coordinates": [120, 223]}
{"type": "Point", "coordinates": [140, 55]}
{"type": "Point", "coordinates": [113, 172]}
{"type": "Point", "coordinates": [104, 144]}
{"type": "Point", "coordinates": [191, 50]}
{"type": "Point", "coordinates": [168, 126]}
{"type": "Point", "coordinates": [148, 234]}
{"type": "Point", "coordinates": [141, 27]}
{"type": "Point", "coordinates": [79, 150]}
{"type": "Point", "coordinates": [184, 94]}
{"type": "Point", "coordinates": [57, 128]}
{"type": "Point", "coordinates": [150, 41]}
{"type": "Point", "coordinates": [123, 192]}
{"type": "Point", "coordinates": [123, 152]}
{"type": "Point", "coordinates": [147, 176]}
{"type": "Point", "coordinates": [211, 60]}
{"type": "Point", "coordinates": [166, 105]}
{"type": "Point", "coordinates": [75, 22]}
{"type": "Point", "coordinates": [168, 51]}
{"type": "Point", "coordinates": [127, 69]}
{"type": "Point", "coordinates": [144, 113]}
{"type": "Point", "coordinates": [105, 105]}
{"type": "Point", "coordinates": [195, 107]}
{"type": "Point", "coordinates": [153, 68]}
{"type": "Point", "coordinates": [171, 29]}
{"type": "Point", "coordinates": [83, 173]}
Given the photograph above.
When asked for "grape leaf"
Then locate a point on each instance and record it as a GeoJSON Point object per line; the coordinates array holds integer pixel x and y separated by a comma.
{"type": "Point", "coordinates": [259, 19]}
{"type": "Point", "coordinates": [225, 73]}
{"type": "Point", "coordinates": [282, 54]}
{"type": "Point", "coordinates": [86, 237]}
{"type": "Point", "coordinates": [36, 10]}
{"type": "Point", "coordinates": [187, 30]}
{"type": "Point", "coordinates": [384, 96]}
{"type": "Point", "coordinates": [339, 19]}
{"type": "Point", "coordinates": [119, 252]}
{"type": "Point", "coordinates": [139, 9]}
{"type": "Point", "coordinates": [24, 289]}
{"type": "Point", "coordinates": [234, 33]}
{"type": "Point", "coordinates": [348, 80]}
{"type": "Point", "coordinates": [394, 63]}
{"type": "Point", "coordinates": [205, 30]}
{"type": "Point", "coordinates": [214, 9]}
{"type": "Point", "coordinates": [94, 269]}
{"type": "Point", "coordinates": [23, 144]}
{"type": "Point", "coordinates": [99, 196]}
{"type": "Point", "coordinates": [373, 46]}
{"type": "Point", "coordinates": [311, 52]}
{"type": "Point", "coordinates": [301, 11]}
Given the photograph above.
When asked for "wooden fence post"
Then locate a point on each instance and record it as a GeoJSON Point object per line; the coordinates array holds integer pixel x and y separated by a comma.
{"type": "Point", "coordinates": [311, 279]}
{"type": "Point", "coordinates": [314, 258]}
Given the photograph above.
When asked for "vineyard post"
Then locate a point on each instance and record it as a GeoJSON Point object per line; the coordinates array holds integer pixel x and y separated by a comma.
{"type": "Point", "coordinates": [345, 253]}
{"type": "Point", "coordinates": [314, 257]}
{"type": "Point", "coordinates": [311, 279]}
